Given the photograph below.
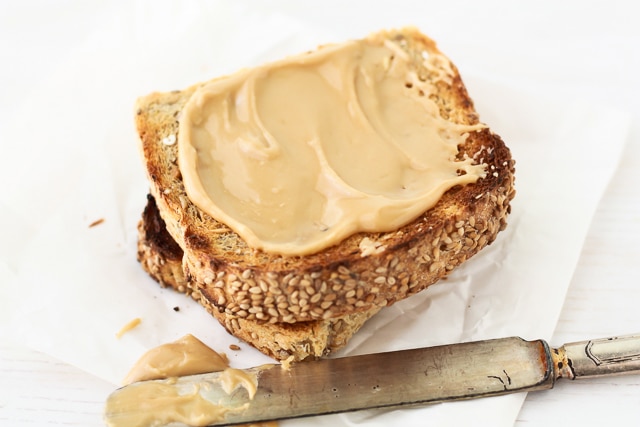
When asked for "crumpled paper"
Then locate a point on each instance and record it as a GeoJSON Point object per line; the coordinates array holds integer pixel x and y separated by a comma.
{"type": "Point", "coordinates": [70, 287]}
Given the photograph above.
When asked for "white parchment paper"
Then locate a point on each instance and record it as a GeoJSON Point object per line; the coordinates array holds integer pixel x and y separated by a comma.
{"type": "Point", "coordinates": [68, 288]}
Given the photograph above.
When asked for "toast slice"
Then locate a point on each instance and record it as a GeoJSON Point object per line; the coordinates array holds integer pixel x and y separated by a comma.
{"type": "Point", "coordinates": [365, 271]}
{"type": "Point", "coordinates": [161, 257]}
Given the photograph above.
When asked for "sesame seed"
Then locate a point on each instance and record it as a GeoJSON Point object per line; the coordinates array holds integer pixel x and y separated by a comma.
{"type": "Point", "coordinates": [183, 202]}
{"type": "Point", "coordinates": [394, 262]}
{"type": "Point", "coordinates": [343, 270]}
{"type": "Point", "coordinates": [323, 287]}
{"type": "Point", "coordinates": [350, 284]}
{"type": "Point", "coordinates": [315, 298]}
{"type": "Point", "coordinates": [169, 140]}
{"type": "Point", "coordinates": [331, 297]}
{"type": "Point", "coordinates": [294, 281]}
{"type": "Point", "coordinates": [305, 283]}
{"type": "Point", "coordinates": [263, 286]}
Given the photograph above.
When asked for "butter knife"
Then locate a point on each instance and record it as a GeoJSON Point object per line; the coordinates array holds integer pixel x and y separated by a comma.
{"type": "Point", "coordinates": [407, 377]}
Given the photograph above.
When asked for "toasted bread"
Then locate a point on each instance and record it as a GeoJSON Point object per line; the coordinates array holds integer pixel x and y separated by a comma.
{"type": "Point", "coordinates": [365, 271]}
{"type": "Point", "coordinates": [161, 257]}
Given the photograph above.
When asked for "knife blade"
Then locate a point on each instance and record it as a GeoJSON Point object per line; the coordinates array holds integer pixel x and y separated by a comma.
{"type": "Point", "coordinates": [406, 377]}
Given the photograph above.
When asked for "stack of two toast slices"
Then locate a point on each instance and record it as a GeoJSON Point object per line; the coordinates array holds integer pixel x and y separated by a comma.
{"type": "Point", "coordinates": [304, 307]}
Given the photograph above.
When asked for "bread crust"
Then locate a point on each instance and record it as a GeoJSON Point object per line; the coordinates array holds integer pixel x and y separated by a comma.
{"type": "Point", "coordinates": [366, 270]}
{"type": "Point", "coordinates": [161, 257]}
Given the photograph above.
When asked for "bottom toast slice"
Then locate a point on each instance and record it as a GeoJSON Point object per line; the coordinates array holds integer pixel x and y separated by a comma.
{"type": "Point", "coordinates": [161, 257]}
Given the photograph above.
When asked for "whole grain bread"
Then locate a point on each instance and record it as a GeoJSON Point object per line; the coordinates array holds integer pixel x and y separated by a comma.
{"type": "Point", "coordinates": [364, 272]}
{"type": "Point", "coordinates": [161, 257]}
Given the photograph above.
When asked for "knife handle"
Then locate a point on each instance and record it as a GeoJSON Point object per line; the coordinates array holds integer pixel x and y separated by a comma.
{"type": "Point", "coordinates": [598, 357]}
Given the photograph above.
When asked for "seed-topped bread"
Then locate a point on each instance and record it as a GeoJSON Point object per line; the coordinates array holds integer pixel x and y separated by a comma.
{"type": "Point", "coordinates": [363, 272]}
{"type": "Point", "coordinates": [161, 257]}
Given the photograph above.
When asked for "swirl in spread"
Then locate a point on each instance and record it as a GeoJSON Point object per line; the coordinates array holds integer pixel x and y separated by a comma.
{"type": "Point", "coordinates": [299, 154]}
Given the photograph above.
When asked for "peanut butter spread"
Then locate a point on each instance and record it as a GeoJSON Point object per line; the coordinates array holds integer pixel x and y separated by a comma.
{"type": "Point", "coordinates": [186, 356]}
{"type": "Point", "coordinates": [299, 154]}
{"type": "Point", "coordinates": [160, 403]}
{"type": "Point", "coordinates": [128, 327]}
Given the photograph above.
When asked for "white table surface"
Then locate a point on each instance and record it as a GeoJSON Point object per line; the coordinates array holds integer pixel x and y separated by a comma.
{"type": "Point", "coordinates": [584, 50]}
